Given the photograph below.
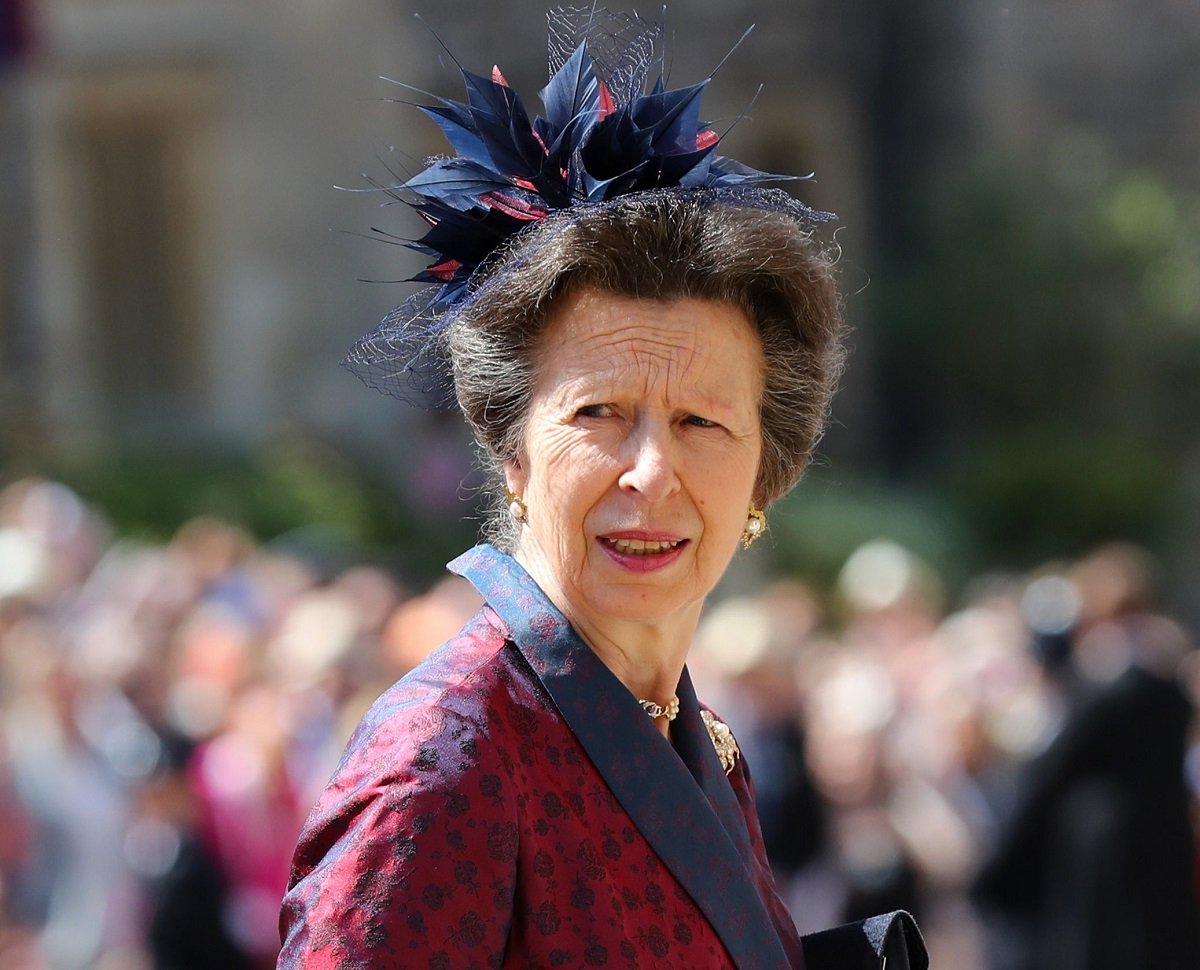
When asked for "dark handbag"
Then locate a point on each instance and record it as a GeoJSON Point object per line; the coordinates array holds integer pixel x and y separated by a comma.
{"type": "Point", "coordinates": [888, 942]}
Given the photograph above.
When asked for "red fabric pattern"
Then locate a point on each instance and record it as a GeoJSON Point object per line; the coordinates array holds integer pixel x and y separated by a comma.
{"type": "Point", "coordinates": [469, 829]}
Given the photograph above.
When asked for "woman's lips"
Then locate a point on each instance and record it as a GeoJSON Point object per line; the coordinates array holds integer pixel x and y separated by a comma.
{"type": "Point", "coordinates": [642, 552]}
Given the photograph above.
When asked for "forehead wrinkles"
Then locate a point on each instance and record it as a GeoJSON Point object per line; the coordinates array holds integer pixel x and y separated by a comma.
{"type": "Point", "coordinates": [647, 352]}
{"type": "Point", "coordinates": [655, 353]}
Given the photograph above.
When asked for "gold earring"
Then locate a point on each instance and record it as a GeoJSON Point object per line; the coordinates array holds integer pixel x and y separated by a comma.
{"type": "Point", "coordinates": [756, 525]}
{"type": "Point", "coordinates": [516, 507]}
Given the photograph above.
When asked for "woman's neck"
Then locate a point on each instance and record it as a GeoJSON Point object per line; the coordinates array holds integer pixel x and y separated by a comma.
{"type": "Point", "coordinates": [647, 656]}
{"type": "Point", "coordinates": [647, 659]}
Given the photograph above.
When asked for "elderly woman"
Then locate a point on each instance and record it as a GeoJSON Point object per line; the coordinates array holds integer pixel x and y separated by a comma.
{"type": "Point", "coordinates": [645, 346]}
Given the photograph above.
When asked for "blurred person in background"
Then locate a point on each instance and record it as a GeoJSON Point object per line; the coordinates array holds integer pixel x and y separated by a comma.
{"type": "Point", "coordinates": [865, 704]}
{"type": "Point", "coordinates": [645, 370]}
{"type": "Point", "coordinates": [186, 892]}
{"type": "Point", "coordinates": [167, 712]}
{"type": "Point", "coordinates": [72, 892]}
{"type": "Point", "coordinates": [746, 661]}
{"type": "Point", "coordinates": [1094, 866]}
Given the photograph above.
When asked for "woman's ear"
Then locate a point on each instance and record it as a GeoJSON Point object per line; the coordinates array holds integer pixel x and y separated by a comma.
{"type": "Point", "coordinates": [515, 477]}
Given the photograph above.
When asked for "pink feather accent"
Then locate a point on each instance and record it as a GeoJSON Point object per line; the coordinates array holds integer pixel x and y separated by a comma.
{"type": "Point", "coordinates": [516, 208]}
{"type": "Point", "coordinates": [607, 105]}
{"type": "Point", "coordinates": [445, 270]}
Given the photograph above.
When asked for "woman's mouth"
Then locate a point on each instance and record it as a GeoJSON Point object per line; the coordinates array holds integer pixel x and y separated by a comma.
{"type": "Point", "coordinates": [642, 547]}
{"type": "Point", "coordinates": [639, 554]}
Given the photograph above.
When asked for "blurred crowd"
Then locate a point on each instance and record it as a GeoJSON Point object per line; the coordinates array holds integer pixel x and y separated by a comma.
{"type": "Point", "coordinates": [1022, 771]}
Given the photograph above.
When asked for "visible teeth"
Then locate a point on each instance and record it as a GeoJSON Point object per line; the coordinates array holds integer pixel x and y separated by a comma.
{"type": "Point", "coordinates": [642, 547]}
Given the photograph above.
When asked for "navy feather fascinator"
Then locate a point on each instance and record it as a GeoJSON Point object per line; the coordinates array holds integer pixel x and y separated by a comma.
{"type": "Point", "coordinates": [605, 133]}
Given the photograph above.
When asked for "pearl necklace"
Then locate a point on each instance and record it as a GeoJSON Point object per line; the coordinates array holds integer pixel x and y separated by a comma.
{"type": "Point", "coordinates": [670, 712]}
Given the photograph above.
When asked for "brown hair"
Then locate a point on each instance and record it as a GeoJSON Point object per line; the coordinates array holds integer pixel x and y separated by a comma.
{"type": "Point", "coordinates": [660, 247]}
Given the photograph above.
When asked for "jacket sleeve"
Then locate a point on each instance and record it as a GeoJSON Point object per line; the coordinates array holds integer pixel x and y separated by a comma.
{"type": "Point", "coordinates": [409, 856]}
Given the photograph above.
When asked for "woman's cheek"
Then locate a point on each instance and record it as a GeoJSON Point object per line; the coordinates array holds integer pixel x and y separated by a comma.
{"type": "Point", "coordinates": [555, 448]}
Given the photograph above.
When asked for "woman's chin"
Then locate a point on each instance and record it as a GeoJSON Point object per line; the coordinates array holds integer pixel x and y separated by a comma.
{"type": "Point", "coordinates": [641, 591]}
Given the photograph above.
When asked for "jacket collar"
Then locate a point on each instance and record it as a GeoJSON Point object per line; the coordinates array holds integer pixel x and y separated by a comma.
{"type": "Point", "coordinates": [677, 796]}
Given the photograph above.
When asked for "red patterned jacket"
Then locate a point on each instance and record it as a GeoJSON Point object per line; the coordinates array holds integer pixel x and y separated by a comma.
{"type": "Point", "coordinates": [508, 805]}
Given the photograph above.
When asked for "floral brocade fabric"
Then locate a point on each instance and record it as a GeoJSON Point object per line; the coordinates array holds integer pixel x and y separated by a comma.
{"type": "Point", "coordinates": [508, 805]}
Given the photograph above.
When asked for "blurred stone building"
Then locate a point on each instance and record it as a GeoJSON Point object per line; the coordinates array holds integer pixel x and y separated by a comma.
{"type": "Point", "coordinates": [172, 276]}
{"type": "Point", "coordinates": [167, 269]}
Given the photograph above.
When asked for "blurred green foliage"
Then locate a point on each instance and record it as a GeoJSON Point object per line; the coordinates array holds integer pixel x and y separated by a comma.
{"type": "Point", "coordinates": [1040, 356]}
{"type": "Point", "coordinates": [816, 528]}
{"type": "Point", "coordinates": [295, 493]}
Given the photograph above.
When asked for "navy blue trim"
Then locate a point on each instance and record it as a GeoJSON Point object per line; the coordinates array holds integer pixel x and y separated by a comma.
{"type": "Point", "coordinates": [694, 746]}
{"type": "Point", "coordinates": [678, 797]}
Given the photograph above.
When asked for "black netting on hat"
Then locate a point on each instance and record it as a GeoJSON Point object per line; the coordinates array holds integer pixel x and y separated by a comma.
{"type": "Point", "coordinates": [405, 355]}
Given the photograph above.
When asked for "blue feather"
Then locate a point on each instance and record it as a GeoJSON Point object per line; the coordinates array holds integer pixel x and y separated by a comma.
{"type": "Point", "coordinates": [674, 115]}
{"type": "Point", "coordinates": [459, 130]}
{"type": "Point", "coordinates": [456, 182]}
{"type": "Point", "coordinates": [727, 171]}
{"type": "Point", "coordinates": [485, 96]}
{"type": "Point", "coordinates": [513, 149]}
{"type": "Point", "coordinates": [573, 91]}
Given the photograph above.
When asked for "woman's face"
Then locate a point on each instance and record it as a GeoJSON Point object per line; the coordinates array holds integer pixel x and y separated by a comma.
{"type": "Point", "coordinates": [640, 454]}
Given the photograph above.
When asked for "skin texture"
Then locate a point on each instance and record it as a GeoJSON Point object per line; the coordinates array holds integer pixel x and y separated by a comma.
{"type": "Point", "coordinates": [644, 423]}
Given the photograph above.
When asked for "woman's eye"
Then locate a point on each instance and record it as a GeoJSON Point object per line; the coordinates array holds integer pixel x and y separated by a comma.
{"type": "Point", "coordinates": [696, 421]}
{"type": "Point", "coordinates": [594, 411]}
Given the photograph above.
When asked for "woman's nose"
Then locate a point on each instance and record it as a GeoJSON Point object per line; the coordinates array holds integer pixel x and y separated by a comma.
{"type": "Point", "coordinates": [650, 463]}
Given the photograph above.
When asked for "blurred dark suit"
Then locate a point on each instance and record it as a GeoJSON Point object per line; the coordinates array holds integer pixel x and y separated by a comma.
{"type": "Point", "coordinates": [1095, 868]}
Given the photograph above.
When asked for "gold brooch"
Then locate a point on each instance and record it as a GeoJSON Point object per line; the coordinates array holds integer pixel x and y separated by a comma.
{"type": "Point", "coordinates": [722, 739]}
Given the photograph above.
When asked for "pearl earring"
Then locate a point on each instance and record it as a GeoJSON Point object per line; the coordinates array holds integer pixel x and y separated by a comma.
{"type": "Point", "coordinates": [516, 507]}
{"type": "Point", "coordinates": [756, 525]}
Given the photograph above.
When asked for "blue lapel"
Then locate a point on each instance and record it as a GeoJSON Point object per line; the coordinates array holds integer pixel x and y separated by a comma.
{"type": "Point", "coordinates": [678, 797]}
